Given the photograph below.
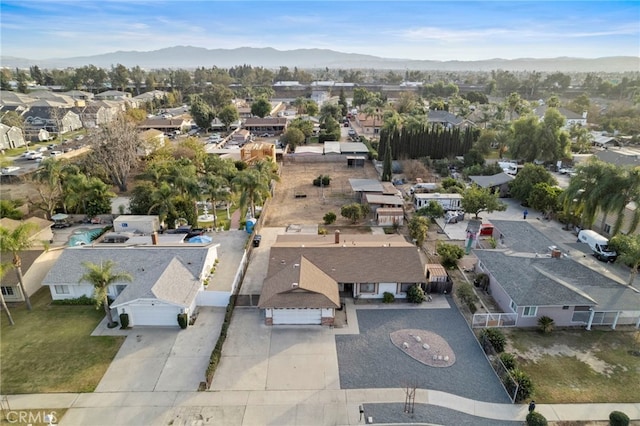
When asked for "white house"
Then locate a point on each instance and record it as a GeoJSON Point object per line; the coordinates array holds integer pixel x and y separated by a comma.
{"type": "Point", "coordinates": [447, 201]}
{"type": "Point", "coordinates": [11, 137]}
{"type": "Point", "coordinates": [166, 279]}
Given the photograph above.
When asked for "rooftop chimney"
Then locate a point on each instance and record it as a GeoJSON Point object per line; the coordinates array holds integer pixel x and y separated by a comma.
{"type": "Point", "coordinates": [154, 238]}
{"type": "Point", "coordinates": [337, 237]}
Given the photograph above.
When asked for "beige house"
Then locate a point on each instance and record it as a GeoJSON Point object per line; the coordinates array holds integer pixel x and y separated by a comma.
{"type": "Point", "coordinates": [605, 225]}
{"type": "Point", "coordinates": [11, 137]}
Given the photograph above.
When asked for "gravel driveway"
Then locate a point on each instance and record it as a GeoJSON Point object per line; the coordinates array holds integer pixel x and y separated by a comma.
{"type": "Point", "coordinates": [370, 360]}
{"type": "Point", "coordinates": [429, 414]}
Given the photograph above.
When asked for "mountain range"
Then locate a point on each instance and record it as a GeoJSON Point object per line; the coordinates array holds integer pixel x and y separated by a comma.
{"type": "Point", "coordinates": [193, 57]}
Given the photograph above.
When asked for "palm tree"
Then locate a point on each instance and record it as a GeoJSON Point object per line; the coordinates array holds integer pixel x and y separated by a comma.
{"type": "Point", "coordinates": [4, 267]}
{"type": "Point", "coordinates": [218, 189]}
{"type": "Point", "coordinates": [163, 201]}
{"type": "Point", "coordinates": [628, 249]}
{"type": "Point", "coordinates": [101, 277]}
{"type": "Point", "coordinates": [253, 186]}
{"type": "Point", "coordinates": [14, 242]}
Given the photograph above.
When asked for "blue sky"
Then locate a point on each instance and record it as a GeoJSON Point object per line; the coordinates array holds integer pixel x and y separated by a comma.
{"type": "Point", "coordinates": [40, 29]}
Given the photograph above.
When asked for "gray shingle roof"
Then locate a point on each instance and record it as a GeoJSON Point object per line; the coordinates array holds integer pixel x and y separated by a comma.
{"type": "Point", "coordinates": [532, 281]}
{"type": "Point", "coordinates": [617, 158]}
{"type": "Point", "coordinates": [520, 236]}
{"type": "Point", "coordinates": [366, 185]}
{"type": "Point", "coordinates": [166, 273]}
{"type": "Point", "coordinates": [490, 181]}
{"type": "Point", "coordinates": [444, 117]}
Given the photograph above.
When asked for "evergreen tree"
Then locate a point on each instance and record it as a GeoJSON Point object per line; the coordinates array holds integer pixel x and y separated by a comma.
{"type": "Point", "coordinates": [386, 168]}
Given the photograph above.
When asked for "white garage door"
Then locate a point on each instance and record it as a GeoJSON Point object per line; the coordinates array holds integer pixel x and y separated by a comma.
{"type": "Point", "coordinates": [297, 316]}
{"type": "Point", "coordinates": [158, 315]}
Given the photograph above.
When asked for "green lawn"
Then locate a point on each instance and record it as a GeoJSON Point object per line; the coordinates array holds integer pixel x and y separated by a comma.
{"type": "Point", "coordinates": [50, 349]}
{"type": "Point", "coordinates": [568, 378]}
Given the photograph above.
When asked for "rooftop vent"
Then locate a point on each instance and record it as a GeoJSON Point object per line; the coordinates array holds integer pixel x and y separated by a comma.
{"type": "Point", "coordinates": [294, 285]}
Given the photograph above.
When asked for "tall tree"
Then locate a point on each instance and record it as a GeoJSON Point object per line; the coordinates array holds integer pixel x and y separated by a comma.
{"type": "Point", "coordinates": [228, 115]}
{"type": "Point", "coordinates": [115, 148]}
{"type": "Point", "coordinates": [476, 200]}
{"type": "Point", "coordinates": [253, 187]}
{"type": "Point", "coordinates": [387, 163]}
{"type": "Point", "coordinates": [418, 227]}
{"type": "Point", "coordinates": [101, 276]}
{"type": "Point", "coordinates": [119, 77]}
{"type": "Point", "coordinates": [261, 107]}
{"type": "Point", "coordinates": [528, 177]}
{"type": "Point", "coordinates": [13, 243]}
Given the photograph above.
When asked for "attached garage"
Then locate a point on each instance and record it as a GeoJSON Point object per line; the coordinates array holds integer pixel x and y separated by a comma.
{"type": "Point", "coordinates": [297, 316]}
{"type": "Point", "coordinates": [156, 314]}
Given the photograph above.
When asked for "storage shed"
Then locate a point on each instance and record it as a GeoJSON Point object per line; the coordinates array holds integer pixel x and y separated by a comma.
{"type": "Point", "coordinates": [438, 280]}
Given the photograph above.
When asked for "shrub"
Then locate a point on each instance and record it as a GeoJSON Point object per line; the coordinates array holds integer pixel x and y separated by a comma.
{"type": "Point", "coordinates": [492, 242]}
{"type": "Point", "coordinates": [329, 218]}
{"type": "Point", "coordinates": [466, 294]}
{"type": "Point", "coordinates": [472, 307]}
{"type": "Point", "coordinates": [536, 419]}
{"type": "Point", "coordinates": [450, 253]}
{"type": "Point", "coordinates": [388, 297]}
{"type": "Point", "coordinates": [546, 324]}
{"type": "Point", "coordinates": [618, 418]}
{"type": "Point", "coordinates": [509, 360]}
{"type": "Point", "coordinates": [124, 321]}
{"type": "Point", "coordinates": [322, 180]}
{"type": "Point", "coordinates": [495, 337]}
{"type": "Point", "coordinates": [82, 300]}
{"type": "Point", "coordinates": [322, 231]}
{"type": "Point", "coordinates": [416, 294]}
{"type": "Point", "coordinates": [525, 385]}
{"type": "Point", "coordinates": [183, 320]}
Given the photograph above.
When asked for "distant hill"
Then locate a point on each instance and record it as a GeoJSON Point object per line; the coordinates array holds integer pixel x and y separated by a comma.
{"type": "Point", "coordinates": [192, 57]}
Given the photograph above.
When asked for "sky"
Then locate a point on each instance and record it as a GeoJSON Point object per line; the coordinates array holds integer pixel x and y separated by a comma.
{"type": "Point", "coordinates": [433, 30]}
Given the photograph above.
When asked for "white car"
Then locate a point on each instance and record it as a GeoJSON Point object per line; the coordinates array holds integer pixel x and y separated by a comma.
{"type": "Point", "coordinates": [10, 169]}
{"type": "Point", "coordinates": [55, 153]}
{"type": "Point", "coordinates": [27, 154]}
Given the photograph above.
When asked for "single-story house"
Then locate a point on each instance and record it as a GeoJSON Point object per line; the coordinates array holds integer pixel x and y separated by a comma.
{"type": "Point", "coordinates": [271, 125]}
{"type": "Point", "coordinates": [240, 137]}
{"type": "Point", "coordinates": [377, 201]}
{"type": "Point", "coordinates": [620, 156]}
{"type": "Point", "coordinates": [390, 216]}
{"type": "Point", "coordinates": [360, 187]}
{"type": "Point", "coordinates": [331, 147]}
{"type": "Point", "coordinates": [165, 279]}
{"type": "Point", "coordinates": [306, 273]}
{"type": "Point", "coordinates": [353, 148]}
{"type": "Point", "coordinates": [165, 125]}
{"type": "Point", "coordinates": [529, 286]}
{"type": "Point", "coordinates": [603, 140]}
{"type": "Point", "coordinates": [371, 124]}
{"type": "Point", "coordinates": [498, 182]}
{"type": "Point", "coordinates": [9, 284]}
{"type": "Point", "coordinates": [446, 119]}
{"type": "Point", "coordinates": [447, 201]}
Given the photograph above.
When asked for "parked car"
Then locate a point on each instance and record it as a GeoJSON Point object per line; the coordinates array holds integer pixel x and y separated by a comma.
{"type": "Point", "coordinates": [52, 146]}
{"type": "Point", "coordinates": [454, 216]}
{"type": "Point", "coordinates": [60, 225]}
{"type": "Point", "coordinates": [352, 132]}
{"type": "Point", "coordinates": [266, 135]}
{"type": "Point", "coordinates": [34, 156]}
{"type": "Point", "coordinates": [55, 153]}
{"type": "Point", "coordinates": [10, 169]}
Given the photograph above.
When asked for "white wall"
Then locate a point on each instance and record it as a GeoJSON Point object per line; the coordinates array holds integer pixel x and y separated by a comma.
{"type": "Point", "coordinates": [328, 313]}
{"type": "Point", "coordinates": [75, 291]}
{"type": "Point", "coordinates": [213, 298]}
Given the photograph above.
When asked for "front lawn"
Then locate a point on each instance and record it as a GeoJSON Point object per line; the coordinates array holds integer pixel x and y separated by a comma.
{"type": "Point", "coordinates": [579, 366]}
{"type": "Point", "coordinates": [50, 349]}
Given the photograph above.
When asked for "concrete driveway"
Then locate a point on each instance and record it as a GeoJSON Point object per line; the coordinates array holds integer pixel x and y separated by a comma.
{"type": "Point", "coordinates": [257, 269]}
{"type": "Point", "coordinates": [260, 357]}
{"type": "Point", "coordinates": [164, 359]}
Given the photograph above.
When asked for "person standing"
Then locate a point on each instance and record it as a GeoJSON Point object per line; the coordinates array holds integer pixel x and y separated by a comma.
{"type": "Point", "coordinates": [525, 213]}
{"type": "Point", "coordinates": [532, 406]}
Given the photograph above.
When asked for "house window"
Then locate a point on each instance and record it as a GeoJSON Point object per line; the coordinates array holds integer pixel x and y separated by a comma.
{"type": "Point", "coordinates": [530, 311]}
{"type": "Point", "coordinates": [7, 291]}
{"type": "Point", "coordinates": [367, 288]}
{"type": "Point", "coordinates": [404, 287]}
{"type": "Point", "coordinates": [62, 289]}
{"type": "Point", "coordinates": [513, 306]}
{"type": "Point", "coordinates": [607, 229]}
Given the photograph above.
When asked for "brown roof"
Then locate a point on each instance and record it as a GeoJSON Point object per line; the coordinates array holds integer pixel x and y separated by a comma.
{"type": "Point", "coordinates": [158, 123]}
{"type": "Point", "coordinates": [436, 270]}
{"type": "Point", "coordinates": [353, 261]}
{"type": "Point", "coordinates": [267, 121]}
{"type": "Point", "coordinates": [28, 257]}
{"type": "Point", "coordinates": [12, 224]}
{"type": "Point", "coordinates": [299, 285]}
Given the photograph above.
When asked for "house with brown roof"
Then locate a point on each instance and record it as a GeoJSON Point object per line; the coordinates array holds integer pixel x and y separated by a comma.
{"type": "Point", "coordinates": [307, 274]}
{"type": "Point", "coordinates": [272, 125]}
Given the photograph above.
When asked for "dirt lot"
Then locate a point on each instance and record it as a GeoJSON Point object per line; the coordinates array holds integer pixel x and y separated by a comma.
{"type": "Point", "coordinates": [297, 178]}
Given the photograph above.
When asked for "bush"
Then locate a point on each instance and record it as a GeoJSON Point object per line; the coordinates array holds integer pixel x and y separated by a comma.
{"type": "Point", "coordinates": [495, 337]}
{"type": "Point", "coordinates": [214, 360]}
{"type": "Point", "coordinates": [536, 419]}
{"type": "Point", "coordinates": [449, 254]}
{"type": "Point", "coordinates": [322, 231]}
{"type": "Point", "coordinates": [618, 418]}
{"type": "Point", "coordinates": [124, 321]}
{"type": "Point", "coordinates": [82, 300]}
{"type": "Point", "coordinates": [388, 297]}
{"type": "Point", "coordinates": [322, 180]}
{"type": "Point", "coordinates": [466, 294]}
{"type": "Point", "coordinates": [416, 294]}
{"type": "Point", "coordinates": [492, 242]}
{"type": "Point", "coordinates": [509, 360]}
{"type": "Point", "coordinates": [183, 320]}
{"type": "Point", "coordinates": [329, 218]}
{"type": "Point", "coordinates": [472, 307]}
{"type": "Point", "coordinates": [525, 385]}
{"type": "Point", "coordinates": [546, 324]}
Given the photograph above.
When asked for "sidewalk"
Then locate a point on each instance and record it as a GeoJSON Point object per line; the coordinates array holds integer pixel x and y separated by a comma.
{"type": "Point", "coordinates": [283, 407]}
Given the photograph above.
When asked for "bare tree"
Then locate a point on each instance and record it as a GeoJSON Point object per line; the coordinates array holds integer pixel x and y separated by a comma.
{"type": "Point", "coordinates": [115, 148]}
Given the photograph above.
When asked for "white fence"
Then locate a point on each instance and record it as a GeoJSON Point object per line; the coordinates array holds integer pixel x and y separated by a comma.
{"type": "Point", "coordinates": [221, 298]}
{"type": "Point", "coordinates": [494, 320]}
